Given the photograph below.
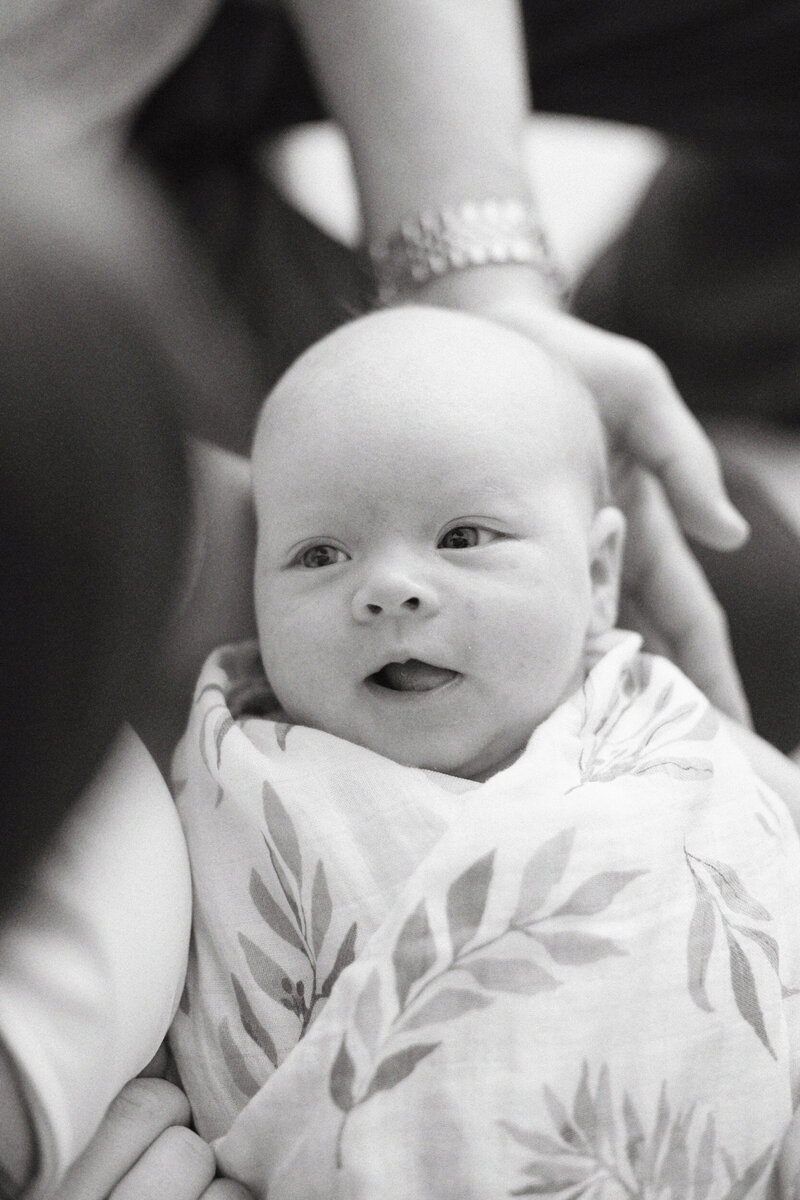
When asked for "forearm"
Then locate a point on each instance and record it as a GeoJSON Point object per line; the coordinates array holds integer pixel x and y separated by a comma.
{"type": "Point", "coordinates": [432, 95]}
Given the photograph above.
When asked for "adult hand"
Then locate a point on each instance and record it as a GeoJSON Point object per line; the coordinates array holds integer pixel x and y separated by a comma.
{"type": "Point", "coordinates": [666, 597]}
{"type": "Point", "coordinates": [668, 477]}
{"type": "Point", "coordinates": [144, 1150]}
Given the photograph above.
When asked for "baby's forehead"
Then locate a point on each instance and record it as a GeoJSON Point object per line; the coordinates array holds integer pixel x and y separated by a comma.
{"type": "Point", "coordinates": [418, 360]}
{"type": "Point", "coordinates": [398, 384]}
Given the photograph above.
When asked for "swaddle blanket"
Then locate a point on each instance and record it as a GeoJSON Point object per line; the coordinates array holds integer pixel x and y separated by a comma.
{"type": "Point", "coordinates": [577, 979]}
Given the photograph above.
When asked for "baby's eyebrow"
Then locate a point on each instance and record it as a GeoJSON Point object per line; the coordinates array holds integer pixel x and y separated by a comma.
{"type": "Point", "coordinates": [477, 486]}
{"type": "Point", "coordinates": [477, 497]}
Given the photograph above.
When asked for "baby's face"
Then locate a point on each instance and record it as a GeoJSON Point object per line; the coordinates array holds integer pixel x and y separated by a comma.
{"type": "Point", "coordinates": [429, 557]}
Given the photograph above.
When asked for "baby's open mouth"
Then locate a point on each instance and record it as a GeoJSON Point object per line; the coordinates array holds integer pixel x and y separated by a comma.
{"type": "Point", "coordinates": [411, 676]}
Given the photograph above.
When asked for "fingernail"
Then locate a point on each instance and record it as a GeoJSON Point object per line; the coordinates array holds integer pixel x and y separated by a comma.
{"type": "Point", "coordinates": [734, 520]}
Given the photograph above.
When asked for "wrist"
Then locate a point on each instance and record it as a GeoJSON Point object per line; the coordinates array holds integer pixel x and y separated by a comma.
{"type": "Point", "coordinates": [463, 254]}
{"type": "Point", "coordinates": [488, 289]}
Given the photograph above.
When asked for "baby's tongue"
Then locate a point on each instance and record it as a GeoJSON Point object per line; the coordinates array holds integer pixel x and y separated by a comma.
{"type": "Point", "coordinates": [414, 676]}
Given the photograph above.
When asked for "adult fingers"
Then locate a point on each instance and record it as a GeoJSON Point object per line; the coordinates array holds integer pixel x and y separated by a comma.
{"type": "Point", "coordinates": [138, 1116]}
{"type": "Point", "coordinates": [643, 413]}
{"type": "Point", "coordinates": [663, 580]}
{"type": "Point", "coordinates": [646, 415]}
{"type": "Point", "coordinates": [178, 1165]}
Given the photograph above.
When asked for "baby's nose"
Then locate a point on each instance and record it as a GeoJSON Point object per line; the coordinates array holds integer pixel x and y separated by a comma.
{"type": "Point", "coordinates": [394, 595]}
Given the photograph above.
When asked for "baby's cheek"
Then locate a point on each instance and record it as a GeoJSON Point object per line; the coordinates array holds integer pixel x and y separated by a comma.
{"type": "Point", "coordinates": [301, 661]}
{"type": "Point", "coordinates": [537, 641]}
{"type": "Point", "coordinates": [278, 638]}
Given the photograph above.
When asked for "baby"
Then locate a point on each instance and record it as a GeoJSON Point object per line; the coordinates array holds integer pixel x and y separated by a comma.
{"type": "Point", "coordinates": [486, 902]}
{"type": "Point", "coordinates": [435, 544]}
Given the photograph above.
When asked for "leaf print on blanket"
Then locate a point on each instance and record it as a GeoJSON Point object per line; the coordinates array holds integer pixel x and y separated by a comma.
{"type": "Point", "coordinates": [601, 1147]}
{"type": "Point", "coordinates": [428, 991]}
{"type": "Point", "coordinates": [219, 719]}
{"type": "Point", "coordinates": [282, 731]}
{"type": "Point", "coordinates": [723, 901]}
{"type": "Point", "coordinates": [251, 1024]}
{"type": "Point", "coordinates": [235, 1061]}
{"type": "Point", "coordinates": [631, 735]}
{"type": "Point", "coordinates": [771, 814]}
{"type": "Point", "coordinates": [295, 924]}
{"type": "Point", "coordinates": [544, 871]}
{"type": "Point", "coordinates": [414, 958]}
{"type": "Point", "coordinates": [300, 996]}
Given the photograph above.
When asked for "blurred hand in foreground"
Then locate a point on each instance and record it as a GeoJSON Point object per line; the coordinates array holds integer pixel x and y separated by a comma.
{"type": "Point", "coordinates": [145, 1150]}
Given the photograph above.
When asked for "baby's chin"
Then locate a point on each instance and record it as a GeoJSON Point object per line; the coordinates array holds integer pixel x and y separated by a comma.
{"type": "Point", "coordinates": [478, 770]}
{"type": "Point", "coordinates": [452, 750]}
{"type": "Point", "coordinates": [445, 760]}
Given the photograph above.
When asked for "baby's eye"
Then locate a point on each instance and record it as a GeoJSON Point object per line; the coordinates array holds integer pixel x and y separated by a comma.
{"type": "Point", "coordinates": [321, 555]}
{"type": "Point", "coordinates": [464, 537]}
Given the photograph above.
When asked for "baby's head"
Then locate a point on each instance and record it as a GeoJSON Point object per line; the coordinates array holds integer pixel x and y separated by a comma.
{"type": "Point", "coordinates": [435, 547]}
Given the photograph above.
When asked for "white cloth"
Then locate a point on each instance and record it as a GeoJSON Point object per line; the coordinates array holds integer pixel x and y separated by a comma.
{"type": "Point", "coordinates": [575, 979]}
{"type": "Point", "coordinates": [92, 966]}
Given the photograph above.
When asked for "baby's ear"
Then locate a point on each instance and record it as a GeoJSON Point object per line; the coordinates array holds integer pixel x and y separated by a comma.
{"type": "Point", "coordinates": [606, 543]}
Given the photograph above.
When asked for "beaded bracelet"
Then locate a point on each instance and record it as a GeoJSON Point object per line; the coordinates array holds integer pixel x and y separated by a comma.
{"type": "Point", "coordinates": [475, 233]}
